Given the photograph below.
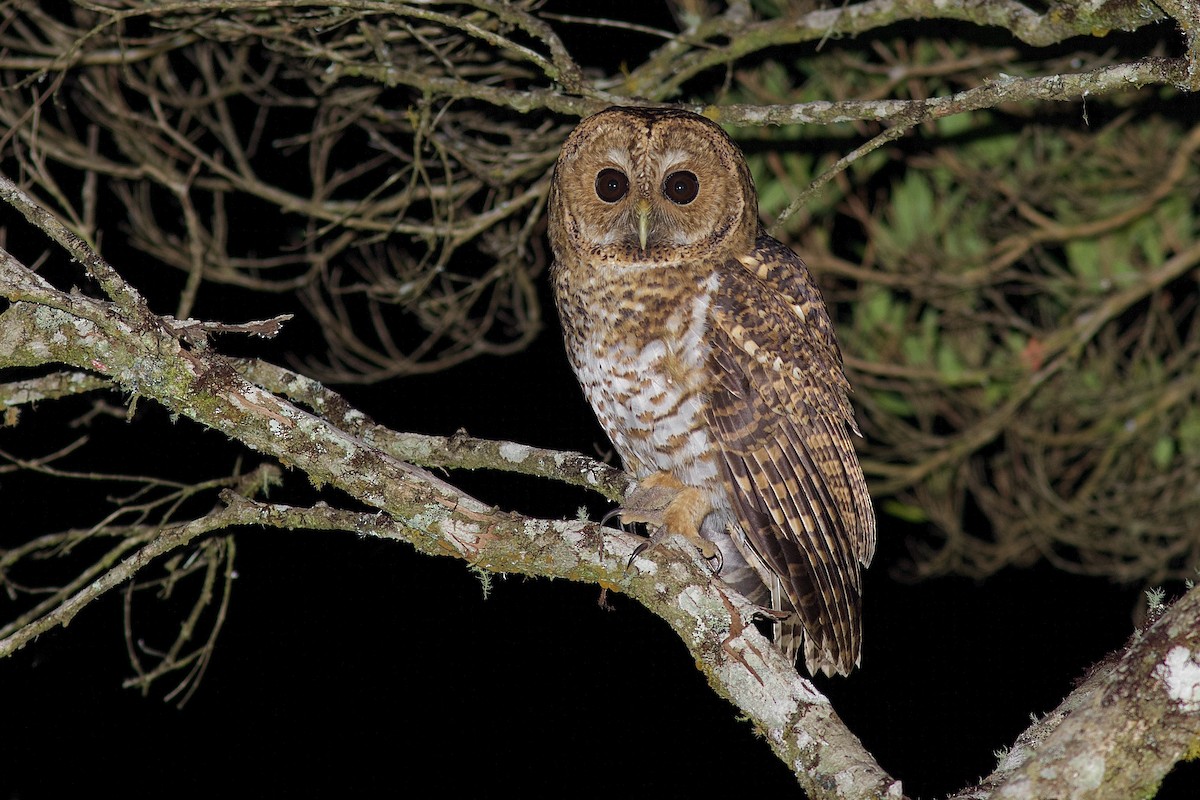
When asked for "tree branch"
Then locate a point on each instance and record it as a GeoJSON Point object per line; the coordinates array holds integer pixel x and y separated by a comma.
{"type": "Point", "coordinates": [1124, 727]}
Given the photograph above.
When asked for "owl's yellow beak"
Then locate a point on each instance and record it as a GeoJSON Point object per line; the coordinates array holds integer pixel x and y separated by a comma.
{"type": "Point", "coordinates": [642, 209]}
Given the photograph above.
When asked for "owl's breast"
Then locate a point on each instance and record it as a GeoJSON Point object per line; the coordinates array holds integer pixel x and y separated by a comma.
{"type": "Point", "coordinates": [646, 373]}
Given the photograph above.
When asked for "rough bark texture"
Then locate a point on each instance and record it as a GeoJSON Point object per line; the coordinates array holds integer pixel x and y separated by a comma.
{"type": "Point", "coordinates": [1135, 715]}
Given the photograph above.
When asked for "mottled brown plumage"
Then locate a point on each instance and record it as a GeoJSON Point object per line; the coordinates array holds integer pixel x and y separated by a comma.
{"type": "Point", "coordinates": [707, 353]}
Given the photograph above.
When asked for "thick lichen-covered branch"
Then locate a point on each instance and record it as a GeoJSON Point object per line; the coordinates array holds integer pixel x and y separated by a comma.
{"type": "Point", "coordinates": [460, 451]}
{"type": "Point", "coordinates": [1124, 727]}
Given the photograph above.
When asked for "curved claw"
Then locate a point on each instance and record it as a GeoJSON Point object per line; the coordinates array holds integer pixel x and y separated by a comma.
{"type": "Point", "coordinates": [652, 541]}
{"type": "Point", "coordinates": [717, 556]}
{"type": "Point", "coordinates": [637, 551]}
{"type": "Point", "coordinates": [666, 505]}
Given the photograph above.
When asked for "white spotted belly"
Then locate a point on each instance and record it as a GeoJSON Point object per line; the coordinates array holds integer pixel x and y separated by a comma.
{"type": "Point", "coordinates": [650, 395]}
{"type": "Point", "coordinates": [648, 389]}
{"type": "Point", "coordinates": [652, 416]}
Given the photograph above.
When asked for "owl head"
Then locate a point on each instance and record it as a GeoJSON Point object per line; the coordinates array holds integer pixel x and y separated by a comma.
{"type": "Point", "coordinates": [644, 185]}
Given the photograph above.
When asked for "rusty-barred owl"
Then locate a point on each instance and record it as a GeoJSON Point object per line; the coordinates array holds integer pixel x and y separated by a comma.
{"type": "Point", "coordinates": [707, 353]}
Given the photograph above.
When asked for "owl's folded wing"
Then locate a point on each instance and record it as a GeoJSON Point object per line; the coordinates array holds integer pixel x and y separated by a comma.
{"type": "Point", "coordinates": [780, 418]}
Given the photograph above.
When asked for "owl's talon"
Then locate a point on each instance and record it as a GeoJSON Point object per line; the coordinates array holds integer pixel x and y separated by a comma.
{"type": "Point", "coordinates": [637, 551]}
{"type": "Point", "coordinates": [652, 541]}
{"type": "Point", "coordinates": [707, 549]}
{"type": "Point", "coordinates": [717, 556]}
{"type": "Point", "coordinates": [667, 506]}
{"type": "Point", "coordinates": [616, 512]}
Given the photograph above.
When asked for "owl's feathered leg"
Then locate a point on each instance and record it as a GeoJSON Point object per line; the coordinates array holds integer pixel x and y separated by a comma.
{"type": "Point", "coordinates": [665, 504]}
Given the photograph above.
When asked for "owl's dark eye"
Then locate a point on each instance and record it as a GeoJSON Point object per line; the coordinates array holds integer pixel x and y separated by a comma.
{"type": "Point", "coordinates": [681, 187]}
{"type": "Point", "coordinates": [611, 185]}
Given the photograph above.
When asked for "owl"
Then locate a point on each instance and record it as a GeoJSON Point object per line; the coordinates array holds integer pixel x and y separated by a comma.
{"type": "Point", "coordinates": [705, 349]}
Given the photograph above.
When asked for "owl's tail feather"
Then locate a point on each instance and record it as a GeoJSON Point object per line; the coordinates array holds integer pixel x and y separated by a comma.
{"type": "Point", "coordinates": [738, 573]}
